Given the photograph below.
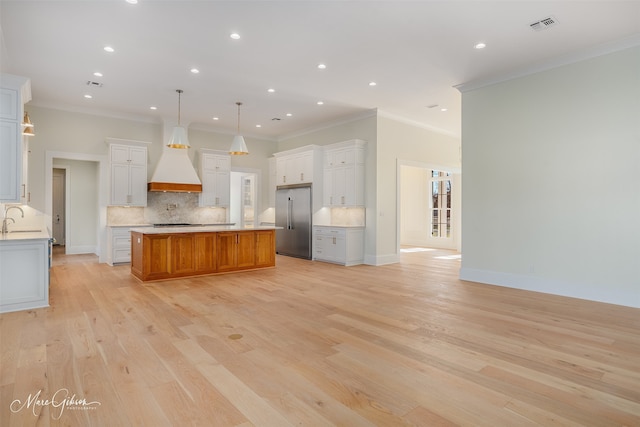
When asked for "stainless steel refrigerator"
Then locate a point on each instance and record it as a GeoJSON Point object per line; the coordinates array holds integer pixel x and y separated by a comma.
{"type": "Point", "coordinates": [293, 214]}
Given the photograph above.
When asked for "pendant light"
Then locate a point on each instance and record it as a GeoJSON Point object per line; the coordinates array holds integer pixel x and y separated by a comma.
{"type": "Point", "coordinates": [28, 126]}
{"type": "Point", "coordinates": [238, 146]}
{"type": "Point", "coordinates": [179, 136]}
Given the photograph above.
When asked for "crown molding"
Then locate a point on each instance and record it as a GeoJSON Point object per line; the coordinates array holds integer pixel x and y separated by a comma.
{"type": "Point", "coordinates": [581, 55]}
{"type": "Point", "coordinates": [330, 124]}
{"type": "Point", "coordinates": [410, 122]}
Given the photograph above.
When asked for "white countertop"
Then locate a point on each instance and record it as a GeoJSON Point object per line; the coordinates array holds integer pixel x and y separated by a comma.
{"type": "Point", "coordinates": [197, 229]}
{"type": "Point", "coordinates": [24, 235]}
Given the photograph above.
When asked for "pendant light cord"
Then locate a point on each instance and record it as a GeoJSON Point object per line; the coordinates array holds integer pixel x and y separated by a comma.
{"type": "Point", "coordinates": [238, 104]}
{"type": "Point", "coordinates": [179, 93]}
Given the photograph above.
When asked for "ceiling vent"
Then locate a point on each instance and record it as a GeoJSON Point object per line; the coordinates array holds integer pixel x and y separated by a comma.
{"type": "Point", "coordinates": [543, 23]}
{"type": "Point", "coordinates": [93, 84]}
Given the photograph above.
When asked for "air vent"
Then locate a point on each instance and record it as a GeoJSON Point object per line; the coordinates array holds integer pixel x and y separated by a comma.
{"type": "Point", "coordinates": [276, 119]}
{"type": "Point", "coordinates": [94, 84]}
{"type": "Point", "coordinates": [543, 23]}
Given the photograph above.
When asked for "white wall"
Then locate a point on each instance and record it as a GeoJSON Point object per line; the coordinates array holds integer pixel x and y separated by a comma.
{"type": "Point", "coordinates": [551, 167]}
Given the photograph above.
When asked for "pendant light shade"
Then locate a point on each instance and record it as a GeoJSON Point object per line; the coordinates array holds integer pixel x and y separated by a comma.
{"type": "Point", "coordinates": [238, 146]}
{"type": "Point", "coordinates": [28, 126]}
{"type": "Point", "coordinates": [179, 136]}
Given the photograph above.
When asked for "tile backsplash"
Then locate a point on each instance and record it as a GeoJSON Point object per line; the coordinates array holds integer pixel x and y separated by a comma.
{"type": "Point", "coordinates": [167, 208]}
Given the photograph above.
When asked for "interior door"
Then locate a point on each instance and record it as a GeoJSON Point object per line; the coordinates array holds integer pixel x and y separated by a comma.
{"type": "Point", "coordinates": [58, 196]}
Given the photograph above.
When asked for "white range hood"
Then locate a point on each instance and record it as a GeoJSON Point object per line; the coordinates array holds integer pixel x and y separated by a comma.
{"type": "Point", "coordinates": [174, 171]}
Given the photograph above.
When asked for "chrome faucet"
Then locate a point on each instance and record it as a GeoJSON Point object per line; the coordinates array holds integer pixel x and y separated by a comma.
{"type": "Point", "coordinates": [6, 218]}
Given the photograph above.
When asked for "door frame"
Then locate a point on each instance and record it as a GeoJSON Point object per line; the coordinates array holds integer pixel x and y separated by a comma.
{"type": "Point", "coordinates": [103, 189]}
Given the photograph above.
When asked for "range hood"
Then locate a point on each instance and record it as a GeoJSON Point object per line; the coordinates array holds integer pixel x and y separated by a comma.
{"type": "Point", "coordinates": [174, 171]}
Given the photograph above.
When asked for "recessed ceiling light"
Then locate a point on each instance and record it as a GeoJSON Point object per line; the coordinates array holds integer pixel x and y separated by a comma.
{"type": "Point", "coordinates": [195, 70]}
{"type": "Point", "coordinates": [289, 114]}
{"type": "Point", "coordinates": [320, 103]}
{"type": "Point", "coordinates": [322, 66]}
{"type": "Point", "coordinates": [97, 74]}
{"type": "Point", "coordinates": [109, 49]}
{"type": "Point", "coordinates": [271, 90]}
{"type": "Point", "coordinates": [235, 36]}
{"type": "Point", "coordinates": [216, 118]}
{"type": "Point", "coordinates": [480, 46]}
{"type": "Point", "coordinates": [88, 96]}
{"type": "Point", "coordinates": [258, 126]}
{"type": "Point", "coordinates": [153, 108]}
{"type": "Point", "coordinates": [132, 1]}
{"type": "Point", "coordinates": [443, 109]}
{"type": "Point", "coordinates": [372, 83]}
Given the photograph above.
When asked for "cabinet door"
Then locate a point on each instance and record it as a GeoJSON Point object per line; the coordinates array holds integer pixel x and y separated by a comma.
{"type": "Point", "coordinates": [227, 251]}
{"type": "Point", "coordinates": [328, 195]}
{"type": "Point", "coordinates": [156, 257]}
{"type": "Point", "coordinates": [246, 247]}
{"type": "Point", "coordinates": [138, 185]}
{"type": "Point", "coordinates": [138, 156]}
{"type": "Point", "coordinates": [10, 161]}
{"type": "Point", "coordinates": [182, 254]}
{"type": "Point", "coordinates": [304, 167]}
{"type": "Point", "coordinates": [265, 248]}
{"type": "Point", "coordinates": [223, 163]}
{"type": "Point", "coordinates": [119, 153]}
{"type": "Point", "coordinates": [281, 171]}
{"type": "Point", "coordinates": [223, 188]}
{"type": "Point", "coordinates": [208, 195]}
{"type": "Point", "coordinates": [205, 252]}
{"type": "Point", "coordinates": [9, 104]}
{"type": "Point", "coordinates": [119, 184]}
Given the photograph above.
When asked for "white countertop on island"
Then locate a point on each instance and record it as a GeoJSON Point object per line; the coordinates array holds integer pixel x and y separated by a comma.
{"type": "Point", "coordinates": [198, 229]}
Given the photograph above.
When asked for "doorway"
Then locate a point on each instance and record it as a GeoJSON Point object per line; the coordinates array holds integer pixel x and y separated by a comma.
{"type": "Point", "coordinates": [429, 208]}
{"type": "Point", "coordinates": [244, 198]}
{"type": "Point", "coordinates": [58, 208]}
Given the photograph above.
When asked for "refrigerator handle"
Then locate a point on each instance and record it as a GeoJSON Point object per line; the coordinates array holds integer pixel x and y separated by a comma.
{"type": "Point", "coordinates": [290, 214]}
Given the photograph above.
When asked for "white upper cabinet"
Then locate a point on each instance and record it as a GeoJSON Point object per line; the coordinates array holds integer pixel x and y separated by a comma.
{"type": "Point", "coordinates": [14, 93]}
{"type": "Point", "coordinates": [344, 174]}
{"type": "Point", "coordinates": [215, 174]}
{"type": "Point", "coordinates": [128, 167]}
{"type": "Point", "coordinates": [299, 166]}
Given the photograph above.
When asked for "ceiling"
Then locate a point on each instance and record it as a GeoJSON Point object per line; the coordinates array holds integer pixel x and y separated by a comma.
{"type": "Point", "coordinates": [415, 51]}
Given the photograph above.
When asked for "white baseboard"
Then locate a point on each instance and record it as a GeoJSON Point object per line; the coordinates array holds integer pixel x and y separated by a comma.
{"type": "Point", "coordinates": [381, 260]}
{"type": "Point", "coordinates": [600, 293]}
{"type": "Point", "coordinates": [81, 249]}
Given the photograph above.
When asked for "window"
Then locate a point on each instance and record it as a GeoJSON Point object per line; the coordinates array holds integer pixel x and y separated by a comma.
{"type": "Point", "coordinates": [440, 204]}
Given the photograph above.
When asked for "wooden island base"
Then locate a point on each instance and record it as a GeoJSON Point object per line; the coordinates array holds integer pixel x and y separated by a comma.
{"type": "Point", "coordinates": [159, 256]}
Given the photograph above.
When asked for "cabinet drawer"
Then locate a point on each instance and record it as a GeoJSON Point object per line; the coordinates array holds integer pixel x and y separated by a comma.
{"type": "Point", "coordinates": [122, 255]}
{"type": "Point", "coordinates": [122, 242]}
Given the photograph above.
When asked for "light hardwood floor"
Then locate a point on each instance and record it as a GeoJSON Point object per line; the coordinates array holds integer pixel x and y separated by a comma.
{"type": "Point", "coordinates": [314, 344]}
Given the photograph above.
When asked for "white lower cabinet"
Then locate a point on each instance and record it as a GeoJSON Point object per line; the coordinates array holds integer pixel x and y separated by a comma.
{"type": "Point", "coordinates": [24, 274]}
{"type": "Point", "coordinates": [340, 245]}
{"type": "Point", "coordinates": [119, 245]}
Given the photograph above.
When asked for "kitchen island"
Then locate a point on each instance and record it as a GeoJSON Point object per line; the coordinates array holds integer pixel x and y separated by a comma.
{"type": "Point", "coordinates": [174, 252]}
